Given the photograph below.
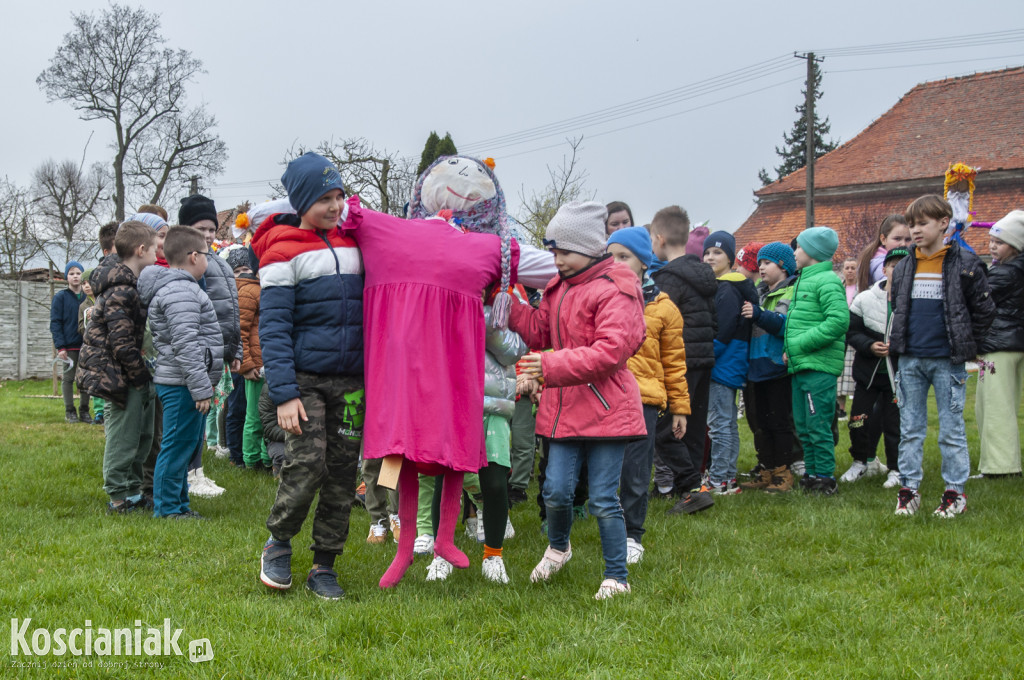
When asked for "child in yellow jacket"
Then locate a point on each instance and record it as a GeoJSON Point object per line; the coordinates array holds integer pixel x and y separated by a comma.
{"type": "Point", "coordinates": [660, 370]}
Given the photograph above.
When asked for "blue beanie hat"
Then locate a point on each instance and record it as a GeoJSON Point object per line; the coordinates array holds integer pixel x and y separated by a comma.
{"type": "Point", "coordinates": [724, 241]}
{"type": "Point", "coordinates": [71, 264]}
{"type": "Point", "coordinates": [779, 253]}
{"type": "Point", "coordinates": [309, 177]}
{"type": "Point", "coordinates": [637, 240]}
{"type": "Point", "coordinates": [150, 220]}
{"type": "Point", "coordinates": [820, 243]}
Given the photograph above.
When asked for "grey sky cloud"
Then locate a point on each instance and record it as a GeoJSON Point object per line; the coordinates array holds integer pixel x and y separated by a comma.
{"type": "Point", "coordinates": [299, 72]}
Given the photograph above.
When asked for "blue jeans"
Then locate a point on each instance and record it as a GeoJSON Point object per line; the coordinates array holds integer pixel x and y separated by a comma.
{"type": "Point", "coordinates": [913, 379]}
{"type": "Point", "coordinates": [724, 432]}
{"type": "Point", "coordinates": [634, 488]}
{"type": "Point", "coordinates": [183, 430]}
{"type": "Point", "coordinates": [604, 465]}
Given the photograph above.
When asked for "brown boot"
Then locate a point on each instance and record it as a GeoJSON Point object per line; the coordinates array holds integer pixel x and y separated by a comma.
{"type": "Point", "coordinates": [763, 479]}
{"type": "Point", "coordinates": [782, 480]}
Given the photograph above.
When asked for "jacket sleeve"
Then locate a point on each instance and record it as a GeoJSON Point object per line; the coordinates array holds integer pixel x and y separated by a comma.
{"type": "Point", "coordinates": [673, 360]}
{"type": "Point", "coordinates": [536, 267]}
{"type": "Point", "coordinates": [834, 322]}
{"type": "Point", "coordinates": [248, 305]}
{"type": "Point", "coordinates": [506, 346]}
{"type": "Point", "coordinates": [729, 303]}
{"type": "Point", "coordinates": [770, 321]}
{"type": "Point", "coordinates": [619, 332]}
{"type": "Point", "coordinates": [858, 336]}
{"type": "Point", "coordinates": [57, 321]}
{"type": "Point", "coordinates": [978, 296]}
{"type": "Point", "coordinates": [272, 432]}
{"type": "Point", "coordinates": [121, 335]}
{"type": "Point", "coordinates": [533, 325]}
{"type": "Point", "coordinates": [277, 309]}
{"type": "Point", "coordinates": [189, 352]}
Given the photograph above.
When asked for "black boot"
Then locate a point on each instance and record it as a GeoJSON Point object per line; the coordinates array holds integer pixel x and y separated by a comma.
{"type": "Point", "coordinates": [70, 415]}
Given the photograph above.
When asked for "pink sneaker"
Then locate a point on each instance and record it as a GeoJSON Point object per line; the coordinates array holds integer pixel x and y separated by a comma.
{"type": "Point", "coordinates": [552, 561]}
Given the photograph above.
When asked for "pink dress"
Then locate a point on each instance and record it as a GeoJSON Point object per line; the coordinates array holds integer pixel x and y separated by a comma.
{"type": "Point", "coordinates": [423, 328]}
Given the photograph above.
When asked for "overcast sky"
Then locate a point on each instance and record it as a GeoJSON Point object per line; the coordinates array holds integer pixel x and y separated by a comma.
{"type": "Point", "coordinates": [280, 73]}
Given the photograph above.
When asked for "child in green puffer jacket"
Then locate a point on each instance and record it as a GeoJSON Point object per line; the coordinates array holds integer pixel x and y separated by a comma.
{"type": "Point", "coordinates": [814, 352]}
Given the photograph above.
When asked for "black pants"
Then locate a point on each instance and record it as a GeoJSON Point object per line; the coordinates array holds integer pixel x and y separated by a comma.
{"type": "Point", "coordinates": [874, 414]}
{"type": "Point", "coordinates": [770, 411]}
{"type": "Point", "coordinates": [682, 461]}
{"type": "Point", "coordinates": [635, 481]}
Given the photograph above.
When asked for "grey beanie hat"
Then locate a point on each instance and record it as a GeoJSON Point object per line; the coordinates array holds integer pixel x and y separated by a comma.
{"type": "Point", "coordinates": [578, 226]}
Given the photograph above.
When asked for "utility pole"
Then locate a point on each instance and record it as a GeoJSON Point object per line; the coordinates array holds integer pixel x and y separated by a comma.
{"type": "Point", "coordinates": [193, 185]}
{"type": "Point", "coordinates": [811, 93]}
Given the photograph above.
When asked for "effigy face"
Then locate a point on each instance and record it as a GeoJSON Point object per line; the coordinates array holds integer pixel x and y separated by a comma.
{"type": "Point", "coordinates": [456, 184]}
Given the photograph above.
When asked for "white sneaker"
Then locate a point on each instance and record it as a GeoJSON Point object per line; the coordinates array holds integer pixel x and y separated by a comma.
{"type": "Point", "coordinates": [875, 467]}
{"type": "Point", "coordinates": [439, 569]}
{"type": "Point", "coordinates": [634, 551]}
{"type": "Point", "coordinates": [198, 486]}
{"type": "Point", "coordinates": [378, 533]}
{"type": "Point", "coordinates": [471, 527]}
{"type": "Point", "coordinates": [510, 531]}
{"type": "Point", "coordinates": [424, 545]}
{"type": "Point", "coordinates": [856, 471]}
{"type": "Point", "coordinates": [552, 561]}
{"type": "Point", "coordinates": [892, 480]}
{"type": "Point", "coordinates": [479, 525]}
{"type": "Point", "coordinates": [798, 468]}
{"type": "Point", "coordinates": [907, 501]}
{"type": "Point", "coordinates": [211, 485]}
{"type": "Point", "coordinates": [953, 504]}
{"type": "Point", "coordinates": [610, 588]}
{"type": "Point", "coordinates": [493, 569]}
{"type": "Point", "coordinates": [221, 452]}
{"type": "Point", "coordinates": [396, 527]}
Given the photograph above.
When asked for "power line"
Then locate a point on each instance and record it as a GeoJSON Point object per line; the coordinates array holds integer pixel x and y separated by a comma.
{"type": "Point", "coordinates": [930, 63]}
{"type": "Point", "coordinates": [947, 43]}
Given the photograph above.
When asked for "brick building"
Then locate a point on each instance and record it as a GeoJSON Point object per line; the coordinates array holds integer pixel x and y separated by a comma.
{"type": "Point", "coordinates": [977, 120]}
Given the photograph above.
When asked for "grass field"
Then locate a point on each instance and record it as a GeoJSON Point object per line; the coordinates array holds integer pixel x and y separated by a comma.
{"type": "Point", "coordinates": [763, 587]}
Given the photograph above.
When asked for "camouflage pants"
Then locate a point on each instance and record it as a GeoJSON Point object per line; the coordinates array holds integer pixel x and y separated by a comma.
{"type": "Point", "coordinates": [323, 458]}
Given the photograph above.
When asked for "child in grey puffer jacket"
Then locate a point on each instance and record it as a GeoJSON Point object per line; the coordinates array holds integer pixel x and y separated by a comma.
{"type": "Point", "coordinates": [190, 358]}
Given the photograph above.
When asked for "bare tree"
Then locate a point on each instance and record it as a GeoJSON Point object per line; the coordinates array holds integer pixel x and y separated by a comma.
{"type": "Point", "coordinates": [858, 226]}
{"type": "Point", "coordinates": [382, 179]}
{"type": "Point", "coordinates": [69, 197]}
{"type": "Point", "coordinates": [170, 151]}
{"type": "Point", "coordinates": [114, 67]}
{"type": "Point", "coordinates": [17, 247]}
{"type": "Point", "coordinates": [565, 183]}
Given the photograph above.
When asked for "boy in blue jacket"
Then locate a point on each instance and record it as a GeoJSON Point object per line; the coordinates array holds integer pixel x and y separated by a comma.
{"type": "Point", "coordinates": [68, 341]}
{"type": "Point", "coordinates": [732, 344]}
{"type": "Point", "coordinates": [770, 388]}
{"type": "Point", "coordinates": [311, 337]}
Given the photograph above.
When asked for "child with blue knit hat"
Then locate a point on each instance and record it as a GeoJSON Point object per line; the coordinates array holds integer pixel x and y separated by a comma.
{"type": "Point", "coordinates": [815, 350]}
{"type": "Point", "coordinates": [769, 392]}
{"type": "Point", "coordinates": [660, 370]}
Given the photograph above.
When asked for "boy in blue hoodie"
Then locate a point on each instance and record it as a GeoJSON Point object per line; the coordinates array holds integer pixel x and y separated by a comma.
{"type": "Point", "coordinates": [732, 344]}
{"type": "Point", "coordinates": [770, 389]}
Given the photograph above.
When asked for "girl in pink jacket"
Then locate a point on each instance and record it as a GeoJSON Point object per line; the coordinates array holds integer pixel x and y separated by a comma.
{"type": "Point", "coordinates": [592, 316]}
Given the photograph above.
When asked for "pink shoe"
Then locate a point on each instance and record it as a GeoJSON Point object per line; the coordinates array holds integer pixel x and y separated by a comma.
{"type": "Point", "coordinates": [552, 561]}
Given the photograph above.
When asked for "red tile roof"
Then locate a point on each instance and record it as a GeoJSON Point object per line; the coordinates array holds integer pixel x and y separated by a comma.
{"type": "Point", "coordinates": [978, 120]}
{"type": "Point", "coordinates": [975, 119]}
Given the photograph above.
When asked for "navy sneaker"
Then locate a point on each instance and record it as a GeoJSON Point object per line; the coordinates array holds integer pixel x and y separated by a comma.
{"type": "Point", "coordinates": [276, 564]}
{"type": "Point", "coordinates": [323, 581]}
{"type": "Point", "coordinates": [188, 514]}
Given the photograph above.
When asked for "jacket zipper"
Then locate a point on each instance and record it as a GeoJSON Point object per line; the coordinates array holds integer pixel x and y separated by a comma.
{"type": "Point", "coordinates": [558, 332]}
{"type": "Point", "coordinates": [600, 398]}
{"type": "Point", "coordinates": [337, 263]}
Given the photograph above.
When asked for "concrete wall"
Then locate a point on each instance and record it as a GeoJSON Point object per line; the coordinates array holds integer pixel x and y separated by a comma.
{"type": "Point", "coordinates": [26, 347]}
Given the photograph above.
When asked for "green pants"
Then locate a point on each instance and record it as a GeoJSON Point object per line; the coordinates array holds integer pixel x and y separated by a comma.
{"type": "Point", "coordinates": [254, 448]}
{"type": "Point", "coordinates": [524, 444]}
{"type": "Point", "coordinates": [814, 406]}
{"type": "Point", "coordinates": [129, 432]}
{"type": "Point", "coordinates": [424, 523]}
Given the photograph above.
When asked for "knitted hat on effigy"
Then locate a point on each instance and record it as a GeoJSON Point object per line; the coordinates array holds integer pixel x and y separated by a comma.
{"type": "Point", "coordinates": [486, 216]}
